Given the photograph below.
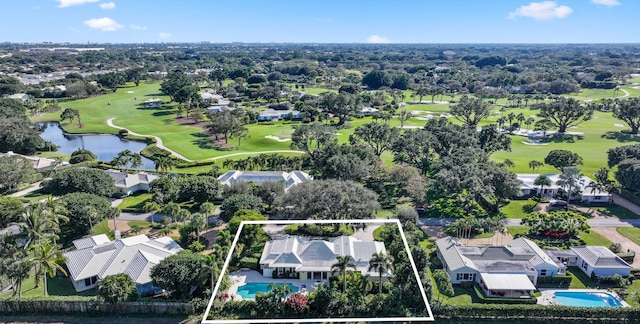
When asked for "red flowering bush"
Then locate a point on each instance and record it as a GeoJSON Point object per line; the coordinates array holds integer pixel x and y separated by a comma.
{"type": "Point", "coordinates": [296, 303]}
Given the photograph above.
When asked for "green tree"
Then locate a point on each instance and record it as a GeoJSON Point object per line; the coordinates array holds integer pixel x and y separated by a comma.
{"type": "Point", "coordinates": [14, 170]}
{"type": "Point", "coordinates": [340, 105]}
{"type": "Point", "coordinates": [569, 179]}
{"type": "Point", "coordinates": [172, 210]}
{"type": "Point", "coordinates": [86, 180]}
{"type": "Point", "coordinates": [542, 181]}
{"type": "Point", "coordinates": [269, 192]}
{"type": "Point", "coordinates": [443, 281]}
{"type": "Point", "coordinates": [380, 263]}
{"type": "Point", "coordinates": [82, 155]}
{"type": "Point", "coordinates": [565, 113]}
{"type": "Point", "coordinates": [163, 163]}
{"type": "Point", "coordinates": [379, 137]}
{"type": "Point", "coordinates": [80, 219]}
{"type": "Point", "coordinates": [561, 159]}
{"type": "Point", "coordinates": [628, 110]}
{"type": "Point", "coordinates": [116, 288]}
{"type": "Point", "coordinates": [237, 202]}
{"type": "Point", "coordinates": [199, 188]}
{"type": "Point", "coordinates": [10, 210]}
{"type": "Point", "coordinates": [628, 174]}
{"type": "Point", "coordinates": [312, 138]}
{"type": "Point", "coordinates": [407, 215]}
{"type": "Point", "coordinates": [534, 164]}
{"type": "Point", "coordinates": [136, 75]}
{"type": "Point", "coordinates": [47, 258]}
{"type": "Point", "coordinates": [112, 80]}
{"type": "Point", "coordinates": [175, 81]}
{"type": "Point", "coordinates": [470, 111]}
{"type": "Point", "coordinates": [38, 223]}
{"type": "Point", "coordinates": [181, 274]}
{"type": "Point", "coordinates": [70, 114]}
{"type": "Point", "coordinates": [207, 208]}
{"type": "Point", "coordinates": [620, 153]}
{"type": "Point", "coordinates": [341, 266]}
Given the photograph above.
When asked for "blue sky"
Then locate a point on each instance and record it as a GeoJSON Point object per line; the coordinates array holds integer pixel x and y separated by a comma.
{"type": "Point", "coordinates": [329, 21]}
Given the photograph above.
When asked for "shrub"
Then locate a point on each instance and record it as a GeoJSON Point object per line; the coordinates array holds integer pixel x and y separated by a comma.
{"type": "Point", "coordinates": [247, 262]}
{"type": "Point", "coordinates": [615, 247]}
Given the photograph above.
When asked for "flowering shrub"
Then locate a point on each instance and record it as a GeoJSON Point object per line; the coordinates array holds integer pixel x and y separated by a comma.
{"type": "Point", "coordinates": [296, 303]}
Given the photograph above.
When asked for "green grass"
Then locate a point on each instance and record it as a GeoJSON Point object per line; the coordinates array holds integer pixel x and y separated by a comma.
{"type": "Point", "coordinates": [593, 238]}
{"type": "Point", "coordinates": [135, 202]}
{"type": "Point", "coordinates": [53, 155]}
{"type": "Point", "coordinates": [580, 280]}
{"type": "Point", "coordinates": [484, 235]}
{"type": "Point", "coordinates": [35, 196]}
{"type": "Point", "coordinates": [632, 233]}
{"type": "Point", "coordinates": [55, 286]}
{"type": "Point", "coordinates": [141, 223]}
{"type": "Point", "coordinates": [103, 228]}
{"type": "Point", "coordinates": [617, 211]}
{"type": "Point", "coordinates": [518, 230]}
{"type": "Point", "coordinates": [518, 208]}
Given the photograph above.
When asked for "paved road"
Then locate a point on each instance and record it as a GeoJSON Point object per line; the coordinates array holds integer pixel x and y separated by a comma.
{"type": "Point", "coordinates": [619, 200]}
{"type": "Point", "coordinates": [34, 187]}
{"type": "Point", "coordinates": [594, 222]}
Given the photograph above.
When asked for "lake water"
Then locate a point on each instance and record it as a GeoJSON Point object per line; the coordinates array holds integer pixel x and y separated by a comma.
{"type": "Point", "coordinates": [106, 147]}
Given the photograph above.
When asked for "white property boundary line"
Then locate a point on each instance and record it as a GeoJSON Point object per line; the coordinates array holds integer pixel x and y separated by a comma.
{"type": "Point", "coordinates": [314, 320]}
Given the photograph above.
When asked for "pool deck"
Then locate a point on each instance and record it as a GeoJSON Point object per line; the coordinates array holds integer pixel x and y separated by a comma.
{"type": "Point", "coordinates": [547, 295]}
{"type": "Point", "coordinates": [241, 277]}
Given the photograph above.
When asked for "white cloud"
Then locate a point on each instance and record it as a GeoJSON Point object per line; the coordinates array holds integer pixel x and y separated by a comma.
{"type": "Point", "coordinates": [609, 3]}
{"type": "Point", "coordinates": [69, 3]}
{"type": "Point", "coordinates": [137, 27]}
{"type": "Point", "coordinates": [104, 24]}
{"type": "Point", "coordinates": [377, 39]}
{"type": "Point", "coordinates": [107, 5]}
{"type": "Point", "coordinates": [541, 11]}
{"type": "Point", "coordinates": [164, 35]}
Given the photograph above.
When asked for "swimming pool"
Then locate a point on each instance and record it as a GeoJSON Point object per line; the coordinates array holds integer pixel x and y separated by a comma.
{"type": "Point", "coordinates": [586, 299]}
{"type": "Point", "coordinates": [249, 290]}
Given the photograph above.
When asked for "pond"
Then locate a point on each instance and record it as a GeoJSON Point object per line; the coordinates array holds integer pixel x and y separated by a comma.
{"type": "Point", "coordinates": [106, 147]}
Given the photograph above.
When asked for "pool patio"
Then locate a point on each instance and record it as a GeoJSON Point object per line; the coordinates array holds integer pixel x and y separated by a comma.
{"type": "Point", "coordinates": [243, 276]}
{"type": "Point", "coordinates": [547, 295]}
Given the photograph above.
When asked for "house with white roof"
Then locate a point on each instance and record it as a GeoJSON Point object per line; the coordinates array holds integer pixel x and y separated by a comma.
{"type": "Point", "coordinates": [587, 194]}
{"type": "Point", "coordinates": [39, 164]}
{"type": "Point", "coordinates": [97, 257]}
{"type": "Point", "coordinates": [127, 183]}
{"type": "Point", "coordinates": [272, 114]}
{"type": "Point", "coordinates": [309, 259]}
{"type": "Point", "coordinates": [289, 179]}
{"type": "Point", "coordinates": [368, 111]}
{"type": "Point", "coordinates": [505, 271]}
{"type": "Point", "coordinates": [19, 96]}
{"type": "Point", "coordinates": [600, 261]}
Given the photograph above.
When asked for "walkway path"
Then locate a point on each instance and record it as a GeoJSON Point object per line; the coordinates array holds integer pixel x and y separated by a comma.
{"type": "Point", "coordinates": [158, 140]}
{"type": "Point", "coordinates": [254, 153]}
{"type": "Point", "coordinates": [35, 186]}
{"type": "Point", "coordinates": [621, 201]}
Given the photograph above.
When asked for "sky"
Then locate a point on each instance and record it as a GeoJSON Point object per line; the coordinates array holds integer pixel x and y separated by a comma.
{"type": "Point", "coordinates": [321, 21]}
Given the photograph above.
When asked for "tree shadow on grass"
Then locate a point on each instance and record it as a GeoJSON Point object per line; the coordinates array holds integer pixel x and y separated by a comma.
{"type": "Point", "coordinates": [620, 137]}
{"type": "Point", "coordinates": [563, 138]}
{"type": "Point", "coordinates": [160, 94]}
{"type": "Point", "coordinates": [162, 113]}
{"type": "Point", "coordinates": [529, 208]}
{"type": "Point", "coordinates": [205, 141]}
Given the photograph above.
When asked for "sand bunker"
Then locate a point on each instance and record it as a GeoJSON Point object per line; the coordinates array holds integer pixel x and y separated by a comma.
{"type": "Point", "coordinates": [534, 142]}
{"type": "Point", "coordinates": [277, 138]}
{"type": "Point", "coordinates": [129, 92]}
{"type": "Point", "coordinates": [618, 125]}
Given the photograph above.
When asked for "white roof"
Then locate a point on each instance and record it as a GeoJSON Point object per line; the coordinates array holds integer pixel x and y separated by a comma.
{"type": "Point", "coordinates": [507, 281]}
{"type": "Point", "coordinates": [134, 256]}
{"type": "Point", "coordinates": [289, 179]}
{"type": "Point", "coordinates": [127, 180]}
{"type": "Point", "coordinates": [319, 255]}
{"type": "Point", "coordinates": [583, 183]}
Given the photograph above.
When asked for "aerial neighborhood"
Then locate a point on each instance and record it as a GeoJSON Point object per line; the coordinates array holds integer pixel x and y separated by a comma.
{"type": "Point", "coordinates": [281, 181]}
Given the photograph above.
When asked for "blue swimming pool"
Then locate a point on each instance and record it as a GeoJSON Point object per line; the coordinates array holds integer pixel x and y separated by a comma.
{"type": "Point", "coordinates": [586, 299]}
{"type": "Point", "coordinates": [251, 289]}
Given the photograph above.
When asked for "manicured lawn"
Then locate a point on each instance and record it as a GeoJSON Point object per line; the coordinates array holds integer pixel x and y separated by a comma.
{"type": "Point", "coordinates": [518, 230]}
{"type": "Point", "coordinates": [141, 223]}
{"type": "Point", "coordinates": [593, 238]}
{"type": "Point", "coordinates": [632, 233]}
{"type": "Point", "coordinates": [617, 211]}
{"type": "Point", "coordinates": [484, 235]}
{"type": "Point", "coordinates": [56, 287]}
{"type": "Point", "coordinates": [103, 228]}
{"type": "Point", "coordinates": [518, 208]}
{"type": "Point", "coordinates": [135, 202]}
{"type": "Point", "coordinates": [580, 280]}
{"type": "Point", "coordinates": [53, 155]}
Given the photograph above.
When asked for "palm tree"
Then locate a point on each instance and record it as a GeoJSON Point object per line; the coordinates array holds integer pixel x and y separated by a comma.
{"type": "Point", "coordinates": [199, 221]}
{"type": "Point", "coordinates": [47, 258]}
{"type": "Point", "coordinates": [17, 272]}
{"type": "Point", "coordinates": [183, 215]}
{"type": "Point", "coordinates": [164, 163]}
{"type": "Point", "coordinates": [165, 231]}
{"type": "Point", "coordinates": [171, 209]}
{"type": "Point", "coordinates": [207, 208]}
{"type": "Point", "coordinates": [136, 160]}
{"type": "Point", "coordinates": [38, 223]}
{"type": "Point", "coordinates": [223, 237]}
{"type": "Point", "coordinates": [530, 120]}
{"type": "Point", "coordinates": [344, 262]}
{"type": "Point", "coordinates": [151, 207]}
{"type": "Point", "coordinates": [403, 116]}
{"type": "Point", "coordinates": [569, 178]}
{"type": "Point", "coordinates": [381, 263]}
{"type": "Point", "coordinates": [542, 181]}
{"type": "Point", "coordinates": [535, 165]}
{"type": "Point", "coordinates": [92, 214]}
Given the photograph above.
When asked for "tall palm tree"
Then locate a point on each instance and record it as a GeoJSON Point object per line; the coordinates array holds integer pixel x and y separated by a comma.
{"type": "Point", "coordinates": [542, 181]}
{"type": "Point", "coordinates": [17, 272]}
{"type": "Point", "coordinates": [47, 257]}
{"type": "Point", "coordinates": [344, 263]}
{"type": "Point", "coordinates": [182, 215]}
{"type": "Point", "coordinates": [151, 207]}
{"type": "Point", "coordinates": [171, 209]}
{"type": "Point", "coordinates": [569, 178]}
{"type": "Point", "coordinates": [164, 163]}
{"type": "Point", "coordinates": [136, 160]}
{"type": "Point", "coordinates": [534, 164]}
{"type": "Point", "coordinates": [223, 237]}
{"type": "Point", "coordinates": [92, 214]}
{"type": "Point", "coordinates": [199, 221]}
{"type": "Point", "coordinates": [381, 263]}
{"type": "Point", "coordinates": [37, 224]}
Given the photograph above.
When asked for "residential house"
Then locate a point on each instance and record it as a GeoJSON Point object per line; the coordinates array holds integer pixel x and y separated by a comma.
{"type": "Point", "coordinates": [97, 257]}
{"type": "Point", "coordinates": [273, 115]}
{"type": "Point", "coordinates": [128, 183]}
{"type": "Point", "coordinates": [368, 111]}
{"type": "Point", "coordinates": [502, 271]}
{"type": "Point", "coordinates": [587, 194]}
{"type": "Point", "coordinates": [600, 261]}
{"type": "Point", "coordinates": [308, 259]}
{"type": "Point", "coordinates": [19, 96]}
{"type": "Point", "coordinates": [288, 179]}
{"type": "Point", "coordinates": [39, 164]}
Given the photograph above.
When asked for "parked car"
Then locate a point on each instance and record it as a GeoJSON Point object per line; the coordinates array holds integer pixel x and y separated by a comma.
{"type": "Point", "coordinates": [557, 203]}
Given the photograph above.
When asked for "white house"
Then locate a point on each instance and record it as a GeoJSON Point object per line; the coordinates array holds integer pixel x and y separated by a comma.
{"type": "Point", "coordinates": [39, 164]}
{"type": "Point", "coordinates": [289, 179]}
{"type": "Point", "coordinates": [587, 194]}
{"type": "Point", "coordinates": [97, 257]}
{"type": "Point", "coordinates": [127, 183]}
{"type": "Point", "coordinates": [19, 96]}
{"type": "Point", "coordinates": [312, 259]}
{"type": "Point", "coordinates": [272, 114]}
{"type": "Point", "coordinates": [509, 271]}
{"type": "Point", "coordinates": [368, 111]}
{"type": "Point", "coordinates": [600, 261]}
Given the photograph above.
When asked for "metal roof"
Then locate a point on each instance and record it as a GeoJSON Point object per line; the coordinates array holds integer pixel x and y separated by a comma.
{"type": "Point", "coordinates": [507, 281]}
{"type": "Point", "coordinates": [599, 257]}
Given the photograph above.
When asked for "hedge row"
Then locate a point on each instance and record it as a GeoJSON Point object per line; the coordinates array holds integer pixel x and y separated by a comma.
{"type": "Point", "coordinates": [557, 280]}
{"type": "Point", "coordinates": [499, 311]}
{"type": "Point", "coordinates": [46, 306]}
{"type": "Point", "coordinates": [500, 300]}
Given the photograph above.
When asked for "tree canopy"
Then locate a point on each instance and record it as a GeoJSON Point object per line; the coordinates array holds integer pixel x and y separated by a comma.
{"type": "Point", "coordinates": [181, 274]}
{"type": "Point", "coordinates": [561, 159]}
{"type": "Point", "coordinates": [565, 113]}
{"type": "Point", "coordinates": [14, 170]}
{"type": "Point", "coordinates": [86, 180]}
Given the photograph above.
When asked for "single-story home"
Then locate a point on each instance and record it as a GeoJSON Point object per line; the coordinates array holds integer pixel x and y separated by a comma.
{"type": "Point", "coordinates": [312, 259]}
{"type": "Point", "coordinates": [97, 257]}
{"type": "Point", "coordinates": [272, 114]}
{"type": "Point", "coordinates": [19, 96]}
{"type": "Point", "coordinates": [39, 164]}
{"type": "Point", "coordinates": [501, 271]}
{"type": "Point", "coordinates": [368, 111]}
{"type": "Point", "coordinates": [528, 187]}
{"type": "Point", "coordinates": [289, 179]}
{"type": "Point", "coordinates": [127, 183]}
{"type": "Point", "coordinates": [600, 261]}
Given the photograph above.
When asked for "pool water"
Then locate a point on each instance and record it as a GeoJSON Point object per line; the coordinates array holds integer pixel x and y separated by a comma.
{"type": "Point", "coordinates": [249, 290]}
{"type": "Point", "coordinates": [586, 299]}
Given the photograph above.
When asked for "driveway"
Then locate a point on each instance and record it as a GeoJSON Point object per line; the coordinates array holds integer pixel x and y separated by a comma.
{"type": "Point", "coordinates": [620, 201]}
{"type": "Point", "coordinates": [35, 186]}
